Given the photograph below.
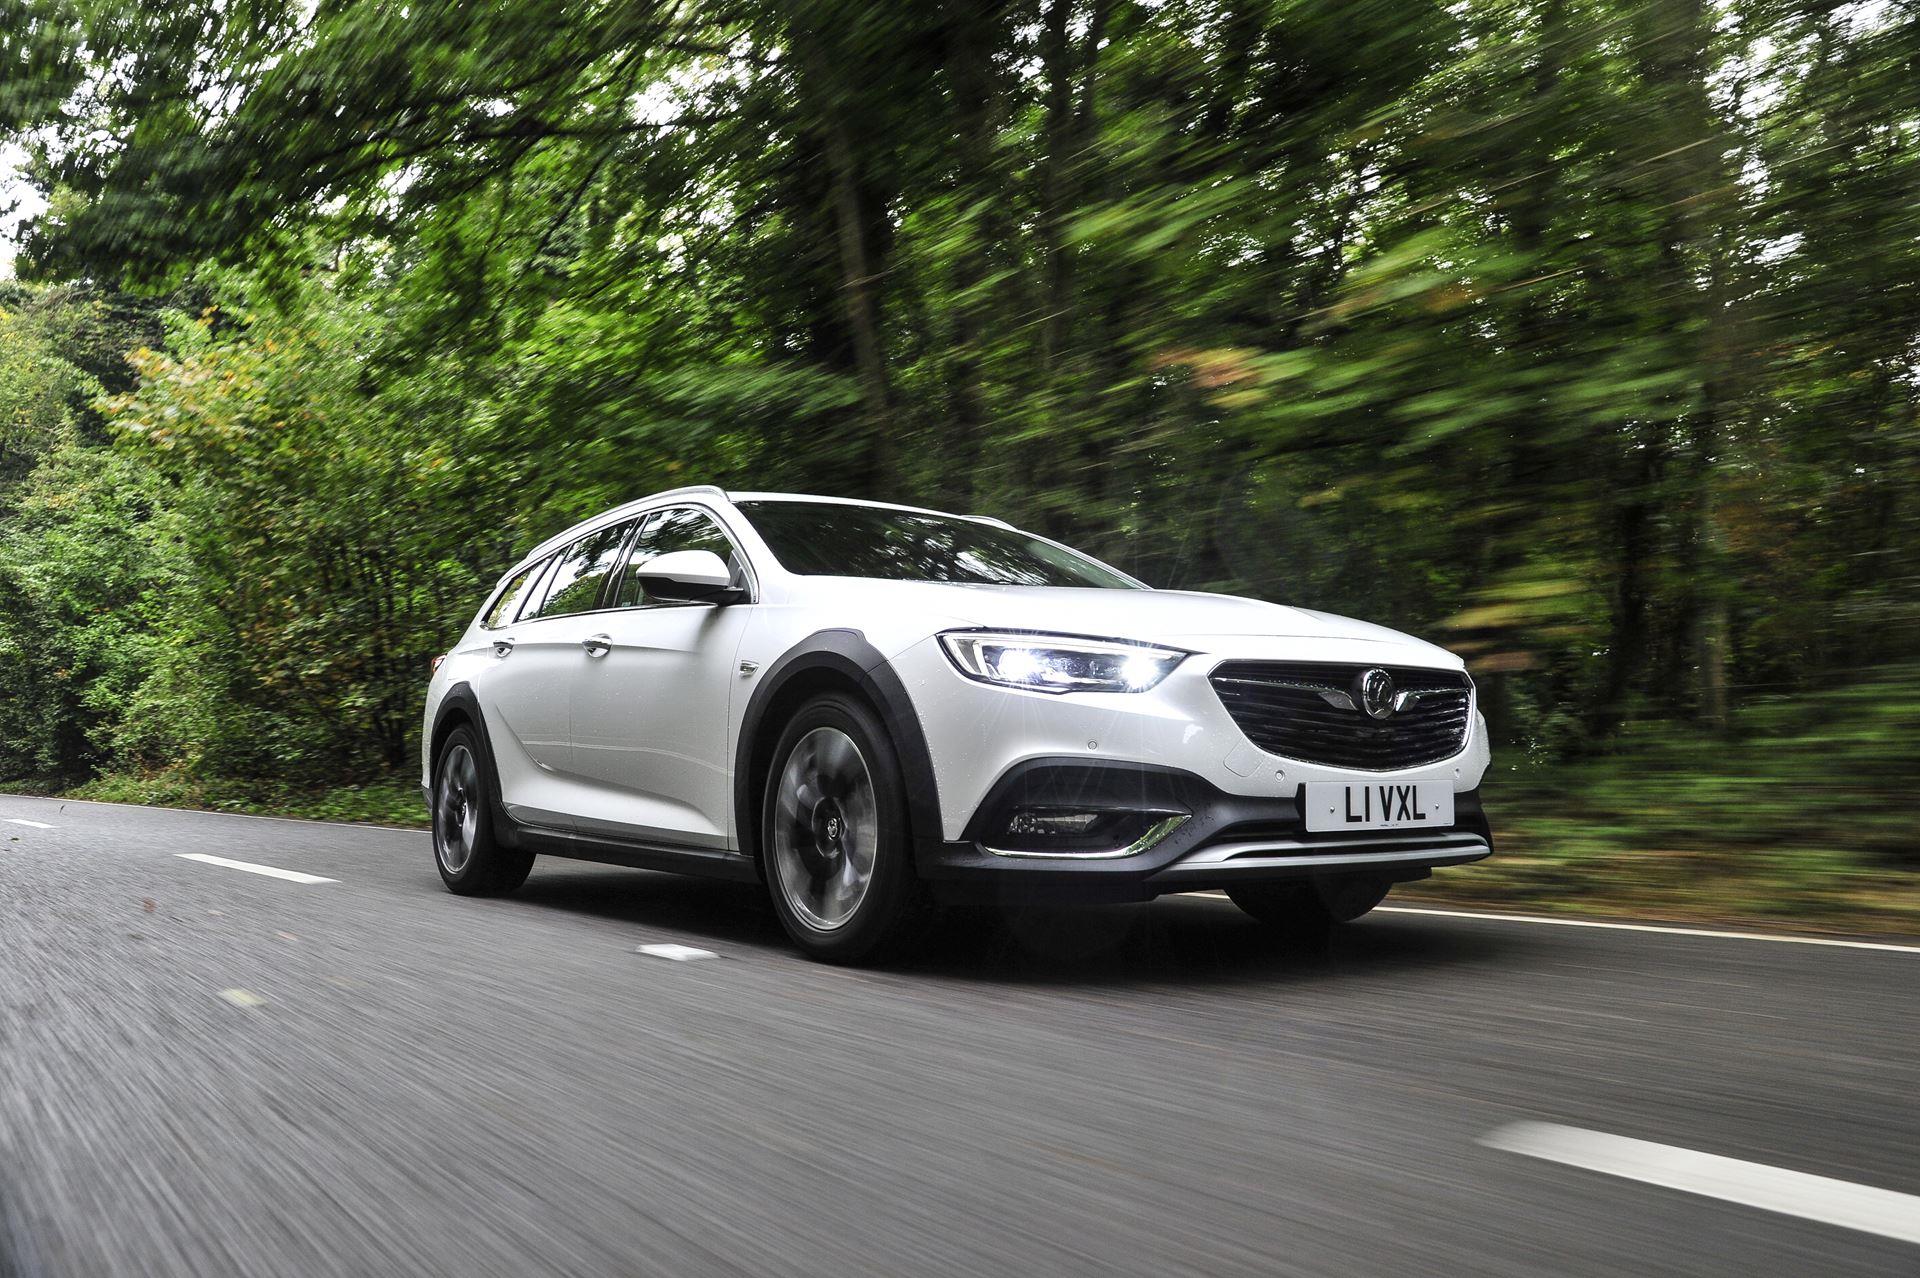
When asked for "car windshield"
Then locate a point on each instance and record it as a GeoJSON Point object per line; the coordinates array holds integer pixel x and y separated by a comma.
{"type": "Point", "coordinates": [819, 538]}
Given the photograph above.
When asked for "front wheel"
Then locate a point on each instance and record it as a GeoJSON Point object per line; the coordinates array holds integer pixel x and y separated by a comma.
{"type": "Point", "coordinates": [835, 841]}
{"type": "Point", "coordinates": [471, 859]}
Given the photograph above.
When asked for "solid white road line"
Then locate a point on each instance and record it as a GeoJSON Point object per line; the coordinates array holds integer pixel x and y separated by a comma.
{"type": "Point", "coordinates": [271, 871]}
{"type": "Point", "coordinates": [1650, 927]}
{"type": "Point", "coordinates": [38, 825]}
{"type": "Point", "coordinates": [1549, 921]}
{"type": "Point", "coordinates": [1733, 1180]}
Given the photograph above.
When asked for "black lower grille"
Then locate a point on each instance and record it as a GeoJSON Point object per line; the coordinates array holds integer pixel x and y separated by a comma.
{"type": "Point", "coordinates": [1311, 711]}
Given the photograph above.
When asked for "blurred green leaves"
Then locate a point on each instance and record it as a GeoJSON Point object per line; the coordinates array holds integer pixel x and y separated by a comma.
{"type": "Point", "coordinates": [1579, 335]}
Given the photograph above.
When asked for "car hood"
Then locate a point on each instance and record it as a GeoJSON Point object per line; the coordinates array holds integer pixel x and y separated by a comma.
{"type": "Point", "coordinates": [1181, 618]}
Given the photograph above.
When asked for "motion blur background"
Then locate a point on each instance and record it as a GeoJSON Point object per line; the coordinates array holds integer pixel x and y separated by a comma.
{"type": "Point", "coordinates": [1582, 336]}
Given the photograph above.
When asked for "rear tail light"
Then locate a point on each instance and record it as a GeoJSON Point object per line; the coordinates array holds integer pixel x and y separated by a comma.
{"type": "Point", "coordinates": [434, 665]}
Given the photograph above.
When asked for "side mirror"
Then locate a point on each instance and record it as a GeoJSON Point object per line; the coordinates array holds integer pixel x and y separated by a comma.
{"type": "Point", "coordinates": [689, 576]}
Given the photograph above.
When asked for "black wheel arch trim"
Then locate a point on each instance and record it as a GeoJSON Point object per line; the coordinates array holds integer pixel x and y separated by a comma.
{"type": "Point", "coordinates": [459, 701]}
{"type": "Point", "coordinates": [846, 654]}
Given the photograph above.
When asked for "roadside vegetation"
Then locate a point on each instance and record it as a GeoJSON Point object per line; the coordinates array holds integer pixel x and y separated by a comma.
{"type": "Point", "coordinates": [1803, 815]}
{"type": "Point", "coordinates": [1579, 336]}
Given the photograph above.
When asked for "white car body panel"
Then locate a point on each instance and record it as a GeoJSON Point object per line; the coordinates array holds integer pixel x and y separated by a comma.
{"type": "Point", "coordinates": [976, 732]}
{"type": "Point", "coordinates": [527, 706]}
{"type": "Point", "coordinates": [651, 724]}
{"type": "Point", "coordinates": [642, 742]}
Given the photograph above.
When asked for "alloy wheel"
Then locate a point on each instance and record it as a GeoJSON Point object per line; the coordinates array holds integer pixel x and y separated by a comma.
{"type": "Point", "coordinates": [826, 829]}
{"type": "Point", "coordinates": [456, 809]}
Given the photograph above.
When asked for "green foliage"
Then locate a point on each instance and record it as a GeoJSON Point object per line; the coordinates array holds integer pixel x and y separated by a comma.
{"type": "Point", "coordinates": [391, 801]}
{"type": "Point", "coordinates": [1805, 812]}
{"type": "Point", "coordinates": [77, 641]}
{"type": "Point", "coordinates": [1578, 335]}
{"type": "Point", "coordinates": [303, 513]}
{"type": "Point", "coordinates": [38, 389]}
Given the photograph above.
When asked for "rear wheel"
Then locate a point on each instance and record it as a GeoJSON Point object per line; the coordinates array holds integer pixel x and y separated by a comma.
{"type": "Point", "coordinates": [1313, 905]}
{"type": "Point", "coordinates": [471, 858]}
{"type": "Point", "coordinates": [835, 842]}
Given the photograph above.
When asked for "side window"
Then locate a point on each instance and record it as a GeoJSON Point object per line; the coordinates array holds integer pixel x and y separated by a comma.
{"type": "Point", "coordinates": [575, 583]}
{"type": "Point", "coordinates": [506, 604]}
{"type": "Point", "coordinates": [678, 528]}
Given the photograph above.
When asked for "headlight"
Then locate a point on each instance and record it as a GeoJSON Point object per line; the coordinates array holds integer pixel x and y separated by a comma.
{"type": "Point", "coordinates": [1047, 664]}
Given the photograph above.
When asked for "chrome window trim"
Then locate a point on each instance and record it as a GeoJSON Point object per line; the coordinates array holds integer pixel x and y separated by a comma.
{"type": "Point", "coordinates": [538, 586]}
{"type": "Point", "coordinates": [555, 556]}
{"type": "Point", "coordinates": [534, 568]}
{"type": "Point", "coordinates": [560, 543]}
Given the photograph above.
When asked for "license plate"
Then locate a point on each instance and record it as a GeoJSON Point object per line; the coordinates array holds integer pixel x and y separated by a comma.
{"type": "Point", "coordinates": [1378, 805]}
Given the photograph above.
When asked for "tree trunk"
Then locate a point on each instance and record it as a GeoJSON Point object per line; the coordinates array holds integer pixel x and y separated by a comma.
{"type": "Point", "coordinates": [860, 264]}
{"type": "Point", "coordinates": [857, 296]}
{"type": "Point", "coordinates": [1697, 183]}
{"type": "Point", "coordinates": [1067, 132]}
{"type": "Point", "coordinates": [969, 66]}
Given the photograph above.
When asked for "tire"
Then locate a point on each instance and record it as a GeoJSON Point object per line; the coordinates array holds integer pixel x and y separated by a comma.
{"type": "Point", "coordinates": [1312, 907]}
{"type": "Point", "coordinates": [468, 853]}
{"type": "Point", "coordinates": [835, 843]}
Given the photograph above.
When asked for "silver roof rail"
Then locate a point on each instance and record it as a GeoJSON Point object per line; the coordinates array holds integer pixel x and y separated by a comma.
{"type": "Point", "coordinates": [711, 490]}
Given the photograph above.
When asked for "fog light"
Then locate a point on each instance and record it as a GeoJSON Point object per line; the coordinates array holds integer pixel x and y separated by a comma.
{"type": "Point", "coordinates": [1041, 823]}
{"type": "Point", "coordinates": [1081, 832]}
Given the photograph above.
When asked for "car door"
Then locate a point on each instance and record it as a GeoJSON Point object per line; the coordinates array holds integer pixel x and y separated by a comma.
{"type": "Point", "coordinates": [650, 710]}
{"type": "Point", "coordinates": [526, 694]}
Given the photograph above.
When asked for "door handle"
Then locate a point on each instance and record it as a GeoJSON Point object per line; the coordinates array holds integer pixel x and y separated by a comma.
{"type": "Point", "coordinates": [597, 645]}
{"type": "Point", "coordinates": [502, 647]}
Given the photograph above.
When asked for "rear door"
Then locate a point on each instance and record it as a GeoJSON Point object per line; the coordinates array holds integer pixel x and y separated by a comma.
{"type": "Point", "coordinates": [650, 713]}
{"type": "Point", "coordinates": [526, 694]}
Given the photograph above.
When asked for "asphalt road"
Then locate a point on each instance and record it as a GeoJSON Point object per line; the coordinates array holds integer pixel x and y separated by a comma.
{"type": "Point", "coordinates": [207, 1071]}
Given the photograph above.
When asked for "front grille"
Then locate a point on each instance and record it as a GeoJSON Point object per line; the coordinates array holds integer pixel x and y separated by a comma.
{"type": "Point", "coordinates": [1290, 708]}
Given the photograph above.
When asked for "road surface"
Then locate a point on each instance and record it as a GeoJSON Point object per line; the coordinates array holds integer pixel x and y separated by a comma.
{"type": "Point", "coordinates": [207, 1070]}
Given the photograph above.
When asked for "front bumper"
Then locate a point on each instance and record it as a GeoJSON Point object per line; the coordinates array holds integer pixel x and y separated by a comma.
{"type": "Point", "coordinates": [1225, 839]}
{"type": "Point", "coordinates": [976, 734]}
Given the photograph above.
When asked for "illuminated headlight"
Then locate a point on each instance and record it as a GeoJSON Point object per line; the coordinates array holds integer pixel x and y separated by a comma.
{"type": "Point", "coordinates": [1047, 664]}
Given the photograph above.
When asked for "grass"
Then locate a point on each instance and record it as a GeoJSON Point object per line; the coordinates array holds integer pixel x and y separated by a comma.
{"type": "Point", "coordinates": [387, 801]}
{"type": "Point", "coordinates": [1802, 816]}
{"type": "Point", "coordinates": [1537, 870]}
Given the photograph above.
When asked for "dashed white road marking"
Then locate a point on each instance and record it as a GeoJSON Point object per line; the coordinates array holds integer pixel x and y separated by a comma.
{"type": "Point", "coordinates": [38, 825]}
{"type": "Point", "coordinates": [678, 953]}
{"type": "Point", "coordinates": [271, 871]}
{"type": "Point", "coordinates": [1790, 1193]}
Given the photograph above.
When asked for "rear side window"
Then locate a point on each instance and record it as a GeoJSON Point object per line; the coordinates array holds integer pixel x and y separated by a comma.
{"type": "Point", "coordinates": [583, 568]}
{"type": "Point", "coordinates": [506, 604]}
{"type": "Point", "coordinates": [681, 528]}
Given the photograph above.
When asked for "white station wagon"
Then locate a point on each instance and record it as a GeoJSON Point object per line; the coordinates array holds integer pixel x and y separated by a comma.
{"type": "Point", "coordinates": [871, 707]}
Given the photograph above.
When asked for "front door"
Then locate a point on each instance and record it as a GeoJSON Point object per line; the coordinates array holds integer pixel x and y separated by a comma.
{"type": "Point", "coordinates": [650, 710]}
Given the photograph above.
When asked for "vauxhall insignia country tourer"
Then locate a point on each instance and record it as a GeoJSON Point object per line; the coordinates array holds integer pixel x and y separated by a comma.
{"type": "Point", "coordinates": [872, 707]}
